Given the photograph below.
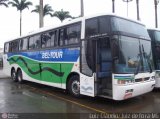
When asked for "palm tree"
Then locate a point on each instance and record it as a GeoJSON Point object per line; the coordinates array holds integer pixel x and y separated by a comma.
{"type": "Point", "coordinates": [41, 21]}
{"type": "Point", "coordinates": [47, 10]}
{"type": "Point", "coordinates": [156, 19]}
{"type": "Point", "coordinates": [20, 5]}
{"type": "Point", "coordinates": [62, 15]}
{"type": "Point", "coordinates": [113, 6]}
{"type": "Point", "coordinates": [3, 2]}
{"type": "Point", "coordinates": [82, 9]}
{"type": "Point", "coordinates": [137, 3]}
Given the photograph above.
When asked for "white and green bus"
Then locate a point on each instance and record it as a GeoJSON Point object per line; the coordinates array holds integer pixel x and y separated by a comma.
{"type": "Point", "coordinates": [103, 55]}
{"type": "Point", "coordinates": [155, 42]}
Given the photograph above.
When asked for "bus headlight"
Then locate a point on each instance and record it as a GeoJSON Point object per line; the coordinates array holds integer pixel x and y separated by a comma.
{"type": "Point", "coordinates": [125, 81]}
{"type": "Point", "coordinates": [153, 77]}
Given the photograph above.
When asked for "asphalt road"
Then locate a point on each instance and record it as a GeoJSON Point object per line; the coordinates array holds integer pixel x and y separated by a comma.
{"type": "Point", "coordinates": [31, 99]}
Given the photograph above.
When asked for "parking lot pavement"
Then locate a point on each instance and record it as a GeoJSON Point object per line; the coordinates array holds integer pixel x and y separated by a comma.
{"type": "Point", "coordinates": [2, 75]}
{"type": "Point", "coordinates": [31, 98]}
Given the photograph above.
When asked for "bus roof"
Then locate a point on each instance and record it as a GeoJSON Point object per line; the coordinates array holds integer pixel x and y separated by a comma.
{"type": "Point", "coordinates": [72, 22]}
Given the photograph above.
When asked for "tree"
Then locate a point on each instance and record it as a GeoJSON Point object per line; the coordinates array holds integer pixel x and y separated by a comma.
{"type": "Point", "coordinates": [113, 6]}
{"type": "Point", "coordinates": [137, 3]}
{"type": "Point", "coordinates": [82, 9]}
{"type": "Point", "coordinates": [20, 5]}
{"type": "Point", "coordinates": [47, 10]}
{"type": "Point", "coordinates": [41, 21]}
{"type": "Point", "coordinates": [156, 18]}
{"type": "Point", "coordinates": [62, 15]}
{"type": "Point", "coordinates": [3, 2]}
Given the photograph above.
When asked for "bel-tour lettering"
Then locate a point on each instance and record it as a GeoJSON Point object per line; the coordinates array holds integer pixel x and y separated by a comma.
{"type": "Point", "coordinates": [54, 55]}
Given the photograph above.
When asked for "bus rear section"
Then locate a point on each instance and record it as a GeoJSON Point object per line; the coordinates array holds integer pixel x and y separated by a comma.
{"type": "Point", "coordinates": [119, 64]}
{"type": "Point", "coordinates": [155, 42]}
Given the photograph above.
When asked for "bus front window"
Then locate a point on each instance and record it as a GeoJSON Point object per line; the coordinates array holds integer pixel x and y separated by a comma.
{"type": "Point", "coordinates": [131, 57]}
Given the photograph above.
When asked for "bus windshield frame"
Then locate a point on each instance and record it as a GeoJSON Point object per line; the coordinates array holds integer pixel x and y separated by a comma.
{"type": "Point", "coordinates": [133, 47]}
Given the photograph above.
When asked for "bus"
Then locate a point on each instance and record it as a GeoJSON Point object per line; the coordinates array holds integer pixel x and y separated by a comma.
{"type": "Point", "coordinates": [104, 55]}
{"type": "Point", "coordinates": [155, 42]}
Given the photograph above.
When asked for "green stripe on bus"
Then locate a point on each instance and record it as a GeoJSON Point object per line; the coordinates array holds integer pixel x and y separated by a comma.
{"type": "Point", "coordinates": [49, 72]}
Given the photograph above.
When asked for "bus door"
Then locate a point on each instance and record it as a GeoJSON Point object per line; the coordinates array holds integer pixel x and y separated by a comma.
{"type": "Point", "coordinates": [96, 65]}
{"type": "Point", "coordinates": [103, 67]}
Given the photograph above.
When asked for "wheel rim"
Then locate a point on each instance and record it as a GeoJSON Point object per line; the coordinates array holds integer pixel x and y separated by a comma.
{"type": "Point", "coordinates": [75, 87]}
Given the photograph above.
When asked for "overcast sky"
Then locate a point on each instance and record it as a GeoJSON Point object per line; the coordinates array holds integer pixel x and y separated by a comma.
{"type": "Point", "coordinates": [9, 21]}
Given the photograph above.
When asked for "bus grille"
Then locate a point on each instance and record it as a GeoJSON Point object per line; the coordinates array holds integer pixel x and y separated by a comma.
{"type": "Point", "coordinates": [142, 79]}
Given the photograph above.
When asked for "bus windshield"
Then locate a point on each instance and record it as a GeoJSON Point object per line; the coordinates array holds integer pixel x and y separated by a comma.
{"type": "Point", "coordinates": [156, 49]}
{"type": "Point", "coordinates": [157, 36]}
{"type": "Point", "coordinates": [133, 55]}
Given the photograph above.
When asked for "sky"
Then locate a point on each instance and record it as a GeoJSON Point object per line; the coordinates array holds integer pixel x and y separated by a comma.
{"type": "Point", "coordinates": [9, 20]}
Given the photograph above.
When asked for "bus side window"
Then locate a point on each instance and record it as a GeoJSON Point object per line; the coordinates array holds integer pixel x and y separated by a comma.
{"type": "Point", "coordinates": [91, 27]}
{"type": "Point", "coordinates": [73, 34]}
{"type": "Point", "coordinates": [34, 42]}
{"type": "Point", "coordinates": [37, 41]}
{"type": "Point", "coordinates": [48, 39]}
{"type": "Point", "coordinates": [14, 46]}
{"type": "Point", "coordinates": [53, 38]}
{"type": "Point", "coordinates": [61, 37]}
{"type": "Point", "coordinates": [31, 43]}
{"type": "Point", "coordinates": [23, 44]}
{"type": "Point", "coordinates": [6, 48]}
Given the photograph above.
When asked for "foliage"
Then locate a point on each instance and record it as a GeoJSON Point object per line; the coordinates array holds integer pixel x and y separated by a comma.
{"type": "Point", "coordinates": [3, 2]}
{"type": "Point", "coordinates": [47, 10]}
{"type": "Point", "coordinates": [62, 15]}
{"type": "Point", "coordinates": [20, 5]}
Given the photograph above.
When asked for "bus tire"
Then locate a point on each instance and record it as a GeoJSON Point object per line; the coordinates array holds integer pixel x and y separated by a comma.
{"type": "Point", "coordinates": [13, 75]}
{"type": "Point", "coordinates": [74, 86]}
{"type": "Point", "coordinates": [19, 76]}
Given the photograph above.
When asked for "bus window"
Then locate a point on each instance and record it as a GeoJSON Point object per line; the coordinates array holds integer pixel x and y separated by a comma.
{"type": "Point", "coordinates": [23, 44]}
{"type": "Point", "coordinates": [34, 42]}
{"type": "Point", "coordinates": [103, 25]}
{"type": "Point", "coordinates": [73, 34]}
{"type": "Point", "coordinates": [53, 37]}
{"type": "Point", "coordinates": [157, 37]}
{"type": "Point", "coordinates": [48, 39]}
{"type": "Point", "coordinates": [91, 27]}
{"type": "Point", "coordinates": [13, 46]}
{"type": "Point", "coordinates": [6, 48]}
{"type": "Point", "coordinates": [62, 36]}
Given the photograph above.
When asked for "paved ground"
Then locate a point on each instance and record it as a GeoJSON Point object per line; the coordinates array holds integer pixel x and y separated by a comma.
{"type": "Point", "coordinates": [2, 75]}
{"type": "Point", "coordinates": [30, 98]}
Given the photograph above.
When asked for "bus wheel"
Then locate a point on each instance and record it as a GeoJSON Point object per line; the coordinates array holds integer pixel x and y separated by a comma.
{"type": "Point", "coordinates": [19, 76]}
{"type": "Point", "coordinates": [74, 86]}
{"type": "Point", "coordinates": [13, 75]}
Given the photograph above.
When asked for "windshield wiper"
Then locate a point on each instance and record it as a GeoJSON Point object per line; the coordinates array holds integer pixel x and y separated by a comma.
{"type": "Point", "coordinates": [140, 59]}
{"type": "Point", "coordinates": [146, 58]}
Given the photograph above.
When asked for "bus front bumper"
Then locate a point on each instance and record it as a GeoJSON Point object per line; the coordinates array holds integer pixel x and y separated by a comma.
{"type": "Point", "coordinates": [122, 92]}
